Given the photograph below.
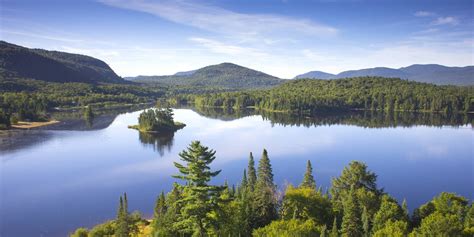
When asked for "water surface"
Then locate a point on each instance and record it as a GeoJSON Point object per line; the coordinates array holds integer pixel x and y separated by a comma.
{"type": "Point", "coordinates": [67, 179]}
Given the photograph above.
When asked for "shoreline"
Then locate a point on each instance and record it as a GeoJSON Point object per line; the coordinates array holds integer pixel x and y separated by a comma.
{"type": "Point", "coordinates": [28, 125]}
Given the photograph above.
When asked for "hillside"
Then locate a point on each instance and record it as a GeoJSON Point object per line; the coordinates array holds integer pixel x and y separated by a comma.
{"type": "Point", "coordinates": [225, 75]}
{"type": "Point", "coordinates": [308, 96]}
{"type": "Point", "coordinates": [429, 73]}
{"type": "Point", "coordinates": [53, 66]}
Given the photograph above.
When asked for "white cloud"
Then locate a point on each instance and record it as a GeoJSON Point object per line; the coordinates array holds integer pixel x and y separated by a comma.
{"type": "Point", "coordinates": [449, 20]}
{"type": "Point", "coordinates": [424, 13]}
{"type": "Point", "coordinates": [219, 47]}
{"type": "Point", "coordinates": [223, 21]}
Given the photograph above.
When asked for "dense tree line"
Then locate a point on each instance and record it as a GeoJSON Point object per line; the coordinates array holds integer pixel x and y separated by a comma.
{"type": "Point", "coordinates": [27, 99]}
{"type": "Point", "coordinates": [354, 206]}
{"type": "Point", "coordinates": [363, 93]}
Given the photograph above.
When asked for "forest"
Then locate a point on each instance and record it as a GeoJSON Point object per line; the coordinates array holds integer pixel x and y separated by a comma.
{"type": "Point", "coordinates": [31, 100]}
{"type": "Point", "coordinates": [309, 96]}
{"type": "Point", "coordinates": [353, 206]}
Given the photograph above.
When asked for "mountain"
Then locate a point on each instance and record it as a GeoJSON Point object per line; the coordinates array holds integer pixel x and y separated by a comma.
{"type": "Point", "coordinates": [429, 73]}
{"type": "Point", "coordinates": [316, 74]}
{"type": "Point", "coordinates": [185, 73]}
{"type": "Point", "coordinates": [225, 75]}
{"type": "Point", "coordinates": [53, 66]}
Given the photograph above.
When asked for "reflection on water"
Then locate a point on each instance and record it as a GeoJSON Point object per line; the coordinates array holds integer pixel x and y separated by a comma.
{"type": "Point", "coordinates": [158, 141]}
{"type": "Point", "coordinates": [73, 178]}
{"type": "Point", "coordinates": [369, 119]}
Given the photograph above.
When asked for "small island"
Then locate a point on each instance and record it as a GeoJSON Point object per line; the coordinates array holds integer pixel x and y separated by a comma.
{"type": "Point", "coordinates": [157, 121]}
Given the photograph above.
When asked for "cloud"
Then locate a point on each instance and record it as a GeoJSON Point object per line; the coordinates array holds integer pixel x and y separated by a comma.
{"type": "Point", "coordinates": [41, 36]}
{"type": "Point", "coordinates": [223, 21]}
{"type": "Point", "coordinates": [219, 47]}
{"type": "Point", "coordinates": [449, 20]}
{"type": "Point", "coordinates": [424, 13]}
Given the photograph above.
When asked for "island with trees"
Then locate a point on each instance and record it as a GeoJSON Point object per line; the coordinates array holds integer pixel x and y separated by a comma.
{"type": "Point", "coordinates": [157, 121]}
{"type": "Point", "coordinates": [353, 206]}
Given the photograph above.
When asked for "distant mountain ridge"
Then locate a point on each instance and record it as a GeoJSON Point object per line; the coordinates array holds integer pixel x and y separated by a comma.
{"type": "Point", "coordinates": [429, 73]}
{"type": "Point", "coordinates": [53, 66]}
{"type": "Point", "coordinates": [226, 75]}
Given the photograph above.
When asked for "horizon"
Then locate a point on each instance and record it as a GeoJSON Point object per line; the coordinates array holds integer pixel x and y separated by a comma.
{"type": "Point", "coordinates": [280, 38]}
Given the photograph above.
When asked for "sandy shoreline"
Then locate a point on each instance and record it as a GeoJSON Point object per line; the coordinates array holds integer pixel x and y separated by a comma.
{"type": "Point", "coordinates": [28, 125]}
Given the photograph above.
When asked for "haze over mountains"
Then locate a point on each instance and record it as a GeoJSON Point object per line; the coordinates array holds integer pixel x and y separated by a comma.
{"type": "Point", "coordinates": [429, 73]}
{"type": "Point", "coordinates": [53, 66]}
{"type": "Point", "coordinates": [226, 75]}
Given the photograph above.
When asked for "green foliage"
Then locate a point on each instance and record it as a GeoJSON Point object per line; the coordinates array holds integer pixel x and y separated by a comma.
{"type": "Point", "coordinates": [224, 75]}
{"type": "Point", "coordinates": [80, 232]}
{"type": "Point", "coordinates": [252, 179]}
{"type": "Point", "coordinates": [265, 202]}
{"type": "Point", "coordinates": [288, 228]}
{"type": "Point", "coordinates": [308, 179]}
{"type": "Point", "coordinates": [351, 221]}
{"type": "Point", "coordinates": [306, 203]}
{"type": "Point", "coordinates": [122, 218]}
{"type": "Point", "coordinates": [199, 198]}
{"type": "Point", "coordinates": [438, 224]}
{"type": "Point", "coordinates": [389, 211]}
{"type": "Point", "coordinates": [368, 93]}
{"type": "Point", "coordinates": [154, 120]}
{"type": "Point", "coordinates": [200, 209]}
{"type": "Point", "coordinates": [356, 176]}
{"type": "Point", "coordinates": [392, 228]}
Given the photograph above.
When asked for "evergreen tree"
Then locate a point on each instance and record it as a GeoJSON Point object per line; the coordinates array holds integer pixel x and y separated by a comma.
{"type": "Point", "coordinates": [252, 175]}
{"type": "Point", "coordinates": [122, 219]}
{"type": "Point", "coordinates": [200, 198]}
{"type": "Point", "coordinates": [351, 222]}
{"type": "Point", "coordinates": [308, 180]}
{"type": "Point", "coordinates": [243, 184]}
{"type": "Point", "coordinates": [159, 213]}
{"type": "Point", "coordinates": [265, 196]}
{"type": "Point", "coordinates": [365, 222]}
{"type": "Point", "coordinates": [406, 213]}
{"type": "Point", "coordinates": [334, 232]}
{"type": "Point", "coordinates": [389, 210]}
{"type": "Point", "coordinates": [324, 231]}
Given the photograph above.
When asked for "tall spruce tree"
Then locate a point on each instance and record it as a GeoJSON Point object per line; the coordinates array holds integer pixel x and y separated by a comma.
{"type": "Point", "coordinates": [365, 222]}
{"type": "Point", "coordinates": [252, 174]}
{"type": "Point", "coordinates": [122, 229]}
{"type": "Point", "coordinates": [200, 198]}
{"type": "Point", "coordinates": [334, 231]}
{"type": "Point", "coordinates": [351, 221]}
{"type": "Point", "coordinates": [265, 193]}
{"type": "Point", "coordinates": [308, 179]}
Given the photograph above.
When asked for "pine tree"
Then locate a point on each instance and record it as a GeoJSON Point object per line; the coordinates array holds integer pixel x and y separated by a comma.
{"type": "Point", "coordinates": [252, 175]}
{"type": "Point", "coordinates": [334, 232]}
{"type": "Point", "coordinates": [308, 180]}
{"type": "Point", "coordinates": [243, 184]}
{"type": "Point", "coordinates": [160, 206]}
{"type": "Point", "coordinates": [199, 197]}
{"type": "Point", "coordinates": [122, 219]}
{"type": "Point", "coordinates": [365, 222]}
{"type": "Point", "coordinates": [265, 197]}
{"type": "Point", "coordinates": [406, 213]}
{"type": "Point", "coordinates": [323, 231]}
{"type": "Point", "coordinates": [351, 223]}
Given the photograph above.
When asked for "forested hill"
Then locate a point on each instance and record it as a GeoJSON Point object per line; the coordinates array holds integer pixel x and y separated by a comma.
{"type": "Point", "coordinates": [53, 66]}
{"type": "Point", "coordinates": [429, 73]}
{"type": "Point", "coordinates": [225, 75]}
{"type": "Point", "coordinates": [361, 93]}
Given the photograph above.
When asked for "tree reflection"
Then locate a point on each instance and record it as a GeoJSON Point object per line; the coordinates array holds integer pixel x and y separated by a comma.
{"type": "Point", "coordinates": [369, 119]}
{"type": "Point", "coordinates": [158, 141]}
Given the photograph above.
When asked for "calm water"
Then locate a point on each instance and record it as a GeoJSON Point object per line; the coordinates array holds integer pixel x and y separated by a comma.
{"type": "Point", "coordinates": [63, 180]}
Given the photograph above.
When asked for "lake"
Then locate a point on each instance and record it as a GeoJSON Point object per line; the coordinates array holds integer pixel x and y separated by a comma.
{"type": "Point", "coordinates": [57, 179]}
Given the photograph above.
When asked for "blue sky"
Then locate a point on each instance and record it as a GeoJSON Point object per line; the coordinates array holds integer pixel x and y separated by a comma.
{"type": "Point", "coordinates": [282, 38]}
